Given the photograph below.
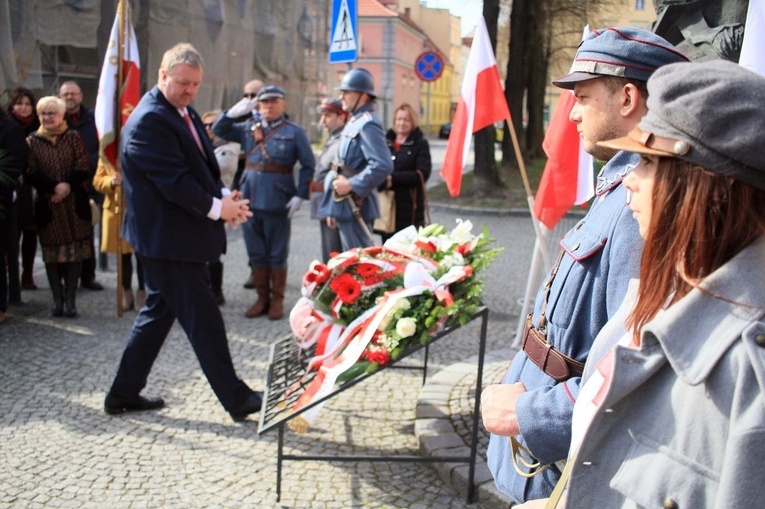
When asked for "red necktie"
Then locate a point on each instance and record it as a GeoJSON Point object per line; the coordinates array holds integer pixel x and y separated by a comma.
{"type": "Point", "coordinates": [190, 125]}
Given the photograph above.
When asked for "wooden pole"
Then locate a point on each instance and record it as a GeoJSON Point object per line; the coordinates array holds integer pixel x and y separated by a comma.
{"type": "Point", "coordinates": [118, 196]}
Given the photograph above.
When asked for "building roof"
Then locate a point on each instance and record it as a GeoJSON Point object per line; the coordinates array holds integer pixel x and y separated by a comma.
{"type": "Point", "coordinates": [374, 8]}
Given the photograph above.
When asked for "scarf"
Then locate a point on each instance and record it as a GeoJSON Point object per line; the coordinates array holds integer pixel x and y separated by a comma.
{"type": "Point", "coordinates": [25, 122]}
{"type": "Point", "coordinates": [52, 134]}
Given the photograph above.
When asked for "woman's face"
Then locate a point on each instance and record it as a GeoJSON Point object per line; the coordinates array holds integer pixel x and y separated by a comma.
{"type": "Point", "coordinates": [639, 184]}
{"type": "Point", "coordinates": [23, 108]}
{"type": "Point", "coordinates": [50, 117]}
{"type": "Point", "coordinates": [402, 123]}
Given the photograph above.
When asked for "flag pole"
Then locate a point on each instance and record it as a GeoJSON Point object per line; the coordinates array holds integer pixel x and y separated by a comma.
{"type": "Point", "coordinates": [120, 199]}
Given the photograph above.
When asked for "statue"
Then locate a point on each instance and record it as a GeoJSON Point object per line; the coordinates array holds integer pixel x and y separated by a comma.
{"type": "Point", "coordinates": [702, 29]}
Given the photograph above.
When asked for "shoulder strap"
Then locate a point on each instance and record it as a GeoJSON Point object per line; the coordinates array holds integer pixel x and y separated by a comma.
{"type": "Point", "coordinates": [262, 144]}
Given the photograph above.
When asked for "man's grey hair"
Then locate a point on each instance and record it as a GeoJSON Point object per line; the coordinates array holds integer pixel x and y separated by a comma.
{"type": "Point", "coordinates": [181, 53]}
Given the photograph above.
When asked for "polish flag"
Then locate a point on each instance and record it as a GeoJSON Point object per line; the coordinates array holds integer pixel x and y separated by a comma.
{"type": "Point", "coordinates": [482, 103]}
{"type": "Point", "coordinates": [567, 177]}
{"type": "Point", "coordinates": [113, 96]}
{"type": "Point", "coordinates": [754, 38]}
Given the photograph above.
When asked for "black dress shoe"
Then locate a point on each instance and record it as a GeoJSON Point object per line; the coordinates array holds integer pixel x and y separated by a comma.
{"type": "Point", "coordinates": [115, 405]}
{"type": "Point", "coordinates": [92, 285]}
{"type": "Point", "coordinates": [252, 405]}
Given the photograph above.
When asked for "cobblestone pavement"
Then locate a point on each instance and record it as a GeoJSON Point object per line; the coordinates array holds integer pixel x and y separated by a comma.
{"type": "Point", "coordinates": [59, 449]}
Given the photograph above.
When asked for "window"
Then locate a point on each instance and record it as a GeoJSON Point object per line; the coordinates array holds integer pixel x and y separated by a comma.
{"type": "Point", "coordinates": [639, 5]}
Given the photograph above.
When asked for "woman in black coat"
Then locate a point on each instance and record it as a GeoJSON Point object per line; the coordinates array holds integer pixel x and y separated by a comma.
{"type": "Point", "coordinates": [411, 168]}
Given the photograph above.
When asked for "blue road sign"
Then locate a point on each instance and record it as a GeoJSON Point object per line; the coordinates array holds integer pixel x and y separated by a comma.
{"type": "Point", "coordinates": [429, 66]}
{"type": "Point", "coordinates": [344, 32]}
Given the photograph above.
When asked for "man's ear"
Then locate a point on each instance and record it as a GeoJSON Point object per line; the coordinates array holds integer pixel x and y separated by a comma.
{"type": "Point", "coordinates": [631, 98]}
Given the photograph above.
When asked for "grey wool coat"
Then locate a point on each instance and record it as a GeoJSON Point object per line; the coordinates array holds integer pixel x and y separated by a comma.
{"type": "Point", "coordinates": [682, 424]}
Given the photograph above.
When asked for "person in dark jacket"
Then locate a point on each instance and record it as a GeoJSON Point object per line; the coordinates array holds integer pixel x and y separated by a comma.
{"type": "Point", "coordinates": [14, 150]}
{"type": "Point", "coordinates": [83, 120]}
{"type": "Point", "coordinates": [22, 109]}
{"type": "Point", "coordinates": [411, 168]}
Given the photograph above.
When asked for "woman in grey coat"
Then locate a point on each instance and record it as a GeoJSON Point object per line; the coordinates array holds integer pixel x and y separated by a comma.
{"type": "Point", "coordinates": [674, 415]}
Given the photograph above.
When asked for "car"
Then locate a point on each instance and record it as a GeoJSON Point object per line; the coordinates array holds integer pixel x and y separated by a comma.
{"type": "Point", "coordinates": [445, 131]}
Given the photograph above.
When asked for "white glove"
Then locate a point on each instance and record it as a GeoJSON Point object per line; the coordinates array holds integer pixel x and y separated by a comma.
{"type": "Point", "coordinates": [243, 107]}
{"type": "Point", "coordinates": [294, 205]}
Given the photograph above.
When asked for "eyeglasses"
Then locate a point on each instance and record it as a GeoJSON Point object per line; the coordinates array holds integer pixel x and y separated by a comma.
{"type": "Point", "coordinates": [208, 124]}
{"type": "Point", "coordinates": [48, 113]}
{"type": "Point", "coordinates": [250, 95]}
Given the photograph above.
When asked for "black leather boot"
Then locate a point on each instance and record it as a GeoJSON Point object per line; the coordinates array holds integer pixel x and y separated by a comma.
{"type": "Point", "coordinates": [53, 272]}
{"type": "Point", "coordinates": [71, 277]}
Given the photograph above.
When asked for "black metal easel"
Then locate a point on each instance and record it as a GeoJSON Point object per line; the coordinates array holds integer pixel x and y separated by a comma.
{"type": "Point", "coordinates": [287, 366]}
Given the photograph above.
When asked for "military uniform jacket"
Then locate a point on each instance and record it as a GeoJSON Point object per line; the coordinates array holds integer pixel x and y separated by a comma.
{"type": "Point", "coordinates": [327, 156]}
{"type": "Point", "coordinates": [602, 254]}
{"type": "Point", "coordinates": [364, 152]}
{"type": "Point", "coordinates": [286, 144]}
{"type": "Point", "coordinates": [682, 423]}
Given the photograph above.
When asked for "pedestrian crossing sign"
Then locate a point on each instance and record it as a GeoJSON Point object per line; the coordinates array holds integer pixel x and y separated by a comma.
{"type": "Point", "coordinates": [343, 36]}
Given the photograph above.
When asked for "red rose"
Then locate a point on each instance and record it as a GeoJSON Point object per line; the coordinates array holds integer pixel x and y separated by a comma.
{"type": "Point", "coordinates": [346, 288]}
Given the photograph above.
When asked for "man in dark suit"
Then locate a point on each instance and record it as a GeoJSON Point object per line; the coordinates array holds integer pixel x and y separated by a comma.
{"type": "Point", "coordinates": [175, 213]}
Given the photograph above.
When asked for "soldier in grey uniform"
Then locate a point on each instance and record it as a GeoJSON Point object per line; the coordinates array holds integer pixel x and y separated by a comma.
{"type": "Point", "coordinates": [363, 162]}
{"type": "Point", "coordinates": [272, 146]}
{"type": "Point", "coordinates": [333, 118]}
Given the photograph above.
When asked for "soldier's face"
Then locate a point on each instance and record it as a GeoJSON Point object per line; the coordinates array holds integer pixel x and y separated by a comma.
{"type": "Point", "coordinates": [596, 115]}
{"type": "Point", "coordinates": [332, 121]}
{"type": "Point", "coordinates": [272, 109]}
{"type": "Point", "coordinates": [180, 84]}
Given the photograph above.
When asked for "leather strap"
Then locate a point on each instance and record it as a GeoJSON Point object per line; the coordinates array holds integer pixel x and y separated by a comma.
{"type": "Point", "coordinates": [557, 365]}
{"type": "Point", "coordinates": [316, 187]}
{"type": "Point", "coordinates": [268, 168]}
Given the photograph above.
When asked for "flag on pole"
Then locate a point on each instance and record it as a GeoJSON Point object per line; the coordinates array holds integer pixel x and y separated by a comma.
{"type": "Point", "coordinates": [482, 102]}
{"type": "Point", "coordinates": [754, 38]}
{"type": "Point", "coordinates": [117, 100]}
{"type": "Point", "coordinates": [567, 177]}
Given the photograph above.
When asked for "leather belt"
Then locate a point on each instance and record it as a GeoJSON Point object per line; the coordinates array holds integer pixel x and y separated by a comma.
{"type": "Point", "coordinates": [554, 363]}
{"type": "Point", "coordinates": [268, 168]}
{"type": "Point", "coordinates": [317, 187]}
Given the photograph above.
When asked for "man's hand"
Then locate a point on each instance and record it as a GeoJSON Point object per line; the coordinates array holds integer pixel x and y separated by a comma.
{"type": "Point", "coordinates": [294, 205]}
{"type": "Point", "coordinates": [341, 186]}
{"type": "Point", "coordinates": [331, 223]}
{"type": "Point", "coordinates": [498, 408]}
{"type": "Point", "coordinates": [233, 210]}
{"type": "Point", "coordinates": [243, 107]}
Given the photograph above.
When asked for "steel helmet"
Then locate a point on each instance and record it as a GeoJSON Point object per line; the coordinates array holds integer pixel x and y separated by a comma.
{"type": "Point", "coordinates": [358, 80]}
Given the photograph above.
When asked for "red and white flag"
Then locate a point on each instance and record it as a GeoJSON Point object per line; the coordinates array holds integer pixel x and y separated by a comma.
{"type": "Point", "coordinates": [482, 103]}
{"type": "Point", "coordinates": [567, 177]}
{"type": "Point", "coordinates": [117, 100]}
{"type": "Point", "coordinates": [754, 38]}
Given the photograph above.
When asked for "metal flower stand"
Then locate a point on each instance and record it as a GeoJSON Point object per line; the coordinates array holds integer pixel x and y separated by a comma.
{"type": "Point", "coordinates": [287, 367]}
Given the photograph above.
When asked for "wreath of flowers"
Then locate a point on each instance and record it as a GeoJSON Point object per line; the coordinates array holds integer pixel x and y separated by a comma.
{"type": "Point", "coordinates": [367, 307]}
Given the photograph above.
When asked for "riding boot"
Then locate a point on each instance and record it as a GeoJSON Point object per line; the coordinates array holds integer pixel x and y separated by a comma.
{"type": "Point", "coordinates": [71, 277]}
{"type": "Point", "coordinates": [54, 280]}
{"type": "Point", "coordinates": [216, 281]}
{"type": "Point", "coordinates": [250, 283]}
{"type": "Point", "coordinates": [278, 284]}
{"type": "Point", "coordinates": [261, 278]}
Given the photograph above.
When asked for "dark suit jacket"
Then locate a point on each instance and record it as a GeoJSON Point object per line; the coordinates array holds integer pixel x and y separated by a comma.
{"type": "Point", "coordinates": [169, 185]}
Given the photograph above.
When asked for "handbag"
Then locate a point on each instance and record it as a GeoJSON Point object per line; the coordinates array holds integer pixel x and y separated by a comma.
{"type": "Point", "coordinates": [95, 214]}
{"type": "Point", "coordinates": [386, 223]}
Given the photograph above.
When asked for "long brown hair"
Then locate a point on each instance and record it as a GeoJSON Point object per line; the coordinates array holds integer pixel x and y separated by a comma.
{"type": "Point", "coordinates": [699, 221]}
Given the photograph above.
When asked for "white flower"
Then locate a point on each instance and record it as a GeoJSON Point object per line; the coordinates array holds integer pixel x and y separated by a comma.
{"type": "Point", "coordinates": [405, 327]}
{"type": "Point", "coordinates": [452, 260]}
{"type": "Point", "coordinates": [461, 233]}
{"type": "Point", "coordinates": [403, 240]}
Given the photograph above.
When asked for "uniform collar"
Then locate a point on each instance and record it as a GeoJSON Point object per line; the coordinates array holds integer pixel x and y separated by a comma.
{"type": "Point", "coordinates": [696, 331]}
{"type": "Point", "coordinates": [276, 123]}
{"type": "Point", "coordinates": [614, 171]}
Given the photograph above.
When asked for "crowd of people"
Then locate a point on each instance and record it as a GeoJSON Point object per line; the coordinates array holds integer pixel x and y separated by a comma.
{"type": "Point", "coordinates": [651, 316]}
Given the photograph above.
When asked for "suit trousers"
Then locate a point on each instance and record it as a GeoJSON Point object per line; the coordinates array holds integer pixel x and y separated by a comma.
{"type": "Point", "coordinates": [180, 290]}
{"type": "Point", "coordinates": [267, 239]}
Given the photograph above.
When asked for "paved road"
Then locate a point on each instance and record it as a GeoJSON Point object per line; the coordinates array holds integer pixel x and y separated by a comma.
{"type": "Point", "coordinates": [60, 450]}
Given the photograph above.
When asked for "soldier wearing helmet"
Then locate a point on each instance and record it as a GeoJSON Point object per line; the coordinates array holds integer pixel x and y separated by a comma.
{"type": "Point", "coordinates": [362, 163]}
